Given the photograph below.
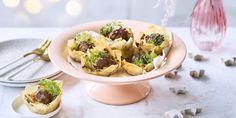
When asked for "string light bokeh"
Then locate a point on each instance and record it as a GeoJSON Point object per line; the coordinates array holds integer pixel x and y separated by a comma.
{"type": "Point", "coordinates": [72, 7]}
{"type": "Point", "coordinates": [53, 1]}
{"type": "Point", "coordinates": [41, 12]}
{"type": "Point", "coordinates": [11, 3]}
{"type": "Point", "coordinates": [33, 6]}
{"type": "Point", "coordinates": [64, 13]}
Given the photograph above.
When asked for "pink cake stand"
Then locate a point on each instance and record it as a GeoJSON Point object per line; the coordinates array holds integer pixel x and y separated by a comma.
{"type": "Point", "coordinates": [114, 90]}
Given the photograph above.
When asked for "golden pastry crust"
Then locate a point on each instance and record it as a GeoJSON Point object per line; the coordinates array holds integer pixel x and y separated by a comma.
{"type": "Point", "coordinates": [126, 47]}
{"type": "Point", "coordinates": [148, 50]}
{"type": "Point", "coordinates": [149, 46]}
{"type": "Point", "coordinates": [106, 71]}
{"type": "Point", "coordinates": [74, 54]}
{"type": "Point", "coordinates": [133, 69]}
{"type": "Point", "coordinates": [119, 37]}
{"type": "Point", "coordinates": [38, 107]}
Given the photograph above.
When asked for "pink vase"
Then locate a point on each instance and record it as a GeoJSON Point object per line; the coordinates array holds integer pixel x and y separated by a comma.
{"type": "Point", "coordinates": [208, 24]}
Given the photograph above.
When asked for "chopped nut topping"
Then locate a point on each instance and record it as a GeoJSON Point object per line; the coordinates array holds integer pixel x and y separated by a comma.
{"type": "Point", "coordinates": [171, 75]}
{"type": "Point", "coordinates": [201, 73]}
{"type": "Point", "coordinates": [193, 109]}
{"type": "Point", "coordinates": [198, 57]}
{"type": "Point", "coordinates": [229, 62]}
{"type": "Point", "coordinates": [234, 59]}
{"type": "Point", "coordinates": [195, 74]}
{"type": "Point", "coordinates": [178, 90]}
{"type": "Point", "coordinates": [174, 114]}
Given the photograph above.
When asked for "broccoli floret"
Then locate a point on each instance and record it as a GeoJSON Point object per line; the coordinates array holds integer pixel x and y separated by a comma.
{"type": "Point", "coordinates": [108, 28]}
{"type": "Point", "coordinates": [83, 36]}
{"type": "Point", "coordinates": [155, 38]}
{"type": "Point", "coordinates": [144, 58]}
{"type": "Point", "coordinates": [51, 86]}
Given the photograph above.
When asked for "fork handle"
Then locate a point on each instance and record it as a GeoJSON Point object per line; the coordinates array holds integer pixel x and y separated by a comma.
{"type": "Point", "coordinates": [12, 62]}
{"type": "Point", "coordinates": [22, 68]}
{"type": "Point", "coordinates": [16, 60]}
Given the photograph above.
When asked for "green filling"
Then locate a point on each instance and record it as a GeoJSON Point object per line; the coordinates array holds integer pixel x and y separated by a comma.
{"type": "Point", "coordinates": [155, 39]}
{"type": "Point", "coordinates": [108, 28]}
{"type": "Point", "coordinates": [144, 58]}
{"type": "Point", "coordinates": [83, 36]}
{"type": "Point", "coordinates": [80, 37]}
{"type": "Point", "coordinates": [50, 86]}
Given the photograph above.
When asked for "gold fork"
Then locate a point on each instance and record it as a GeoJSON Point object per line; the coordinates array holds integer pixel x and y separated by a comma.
{"type": "Point", "coordinates": [43, 57]}
{"type": "Point", "coordinates": [38, 51]}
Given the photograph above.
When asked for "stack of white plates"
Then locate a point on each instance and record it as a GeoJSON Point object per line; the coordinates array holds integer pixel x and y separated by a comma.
{"type": "Point", "coordinates": [12, 49]}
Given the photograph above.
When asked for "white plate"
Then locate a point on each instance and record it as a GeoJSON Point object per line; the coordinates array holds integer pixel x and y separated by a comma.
{"type": "Point", "coordinates": [24, 84]}
{"type": "Point", "coordinates": [21, 109]}
{"type": "Point", "coordinates": [11, 49]}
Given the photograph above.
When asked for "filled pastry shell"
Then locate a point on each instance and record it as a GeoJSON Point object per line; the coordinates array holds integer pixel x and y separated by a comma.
{"type": "Point", "coordinates": [35, 96]}
{"type": "Point", "coordinates": [101, 62]}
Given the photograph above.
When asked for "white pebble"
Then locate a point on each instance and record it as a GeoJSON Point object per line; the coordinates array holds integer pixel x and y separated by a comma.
{"type": "Point", "coordinates": [178, 89]}
{"type": "Point", "coordinates": [174, 114]}
{"type": "Point", "coordinates": [193, 109]}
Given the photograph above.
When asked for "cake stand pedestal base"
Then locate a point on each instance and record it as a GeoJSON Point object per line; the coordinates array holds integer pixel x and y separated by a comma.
{"type": "Point", "coordinates": [121, 94]}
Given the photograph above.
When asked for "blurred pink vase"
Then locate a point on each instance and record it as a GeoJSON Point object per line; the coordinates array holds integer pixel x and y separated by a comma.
{"type": "Point", "coordinates": [208, 24]}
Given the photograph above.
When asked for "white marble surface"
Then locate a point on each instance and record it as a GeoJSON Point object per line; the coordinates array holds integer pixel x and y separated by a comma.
{"type": "Point", "coordinates": [216, 93]}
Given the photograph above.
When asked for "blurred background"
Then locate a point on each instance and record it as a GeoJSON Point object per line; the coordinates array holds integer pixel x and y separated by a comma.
{"type": "Point", "coordinates": [64, 13]}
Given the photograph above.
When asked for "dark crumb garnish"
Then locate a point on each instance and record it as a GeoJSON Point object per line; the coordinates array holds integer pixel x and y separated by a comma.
{"type": "Point", "coordinates": [143, 36]}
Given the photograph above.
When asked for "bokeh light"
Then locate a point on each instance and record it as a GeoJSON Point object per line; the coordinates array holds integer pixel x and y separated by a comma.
{"type": "Point", "coordinates": [33, 6]}
{"type": "Point", "coordinates": [73, 8]}
{"type": "Point", "coordinates": [11, 3]}
{"type": "Point", "coordinates": [22, 18]}
{"type": "Point", "coordinates": [53, 1]}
